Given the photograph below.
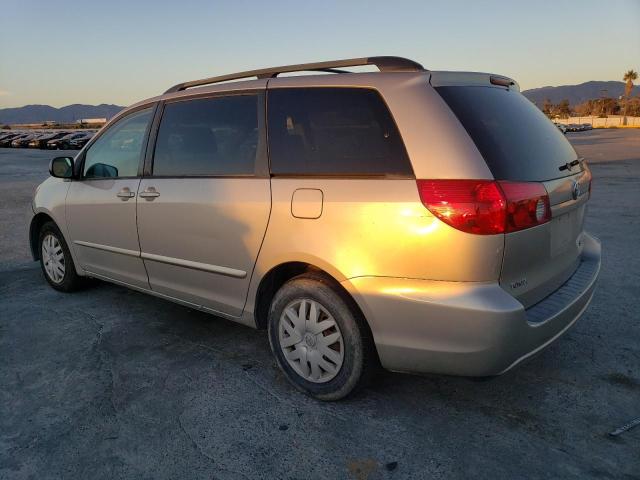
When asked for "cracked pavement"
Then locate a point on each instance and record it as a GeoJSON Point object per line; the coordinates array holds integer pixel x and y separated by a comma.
{"type": "Point", "coordinates": [110, 383]}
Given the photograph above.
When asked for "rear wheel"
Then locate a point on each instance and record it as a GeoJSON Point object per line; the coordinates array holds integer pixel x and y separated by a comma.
{"type": "Point", "coordinates": [319, 340]}
{"type": "Point", "coordinates": [55, 259]}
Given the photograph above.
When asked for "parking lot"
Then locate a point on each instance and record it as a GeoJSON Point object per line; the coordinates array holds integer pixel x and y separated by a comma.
{"type": "Point", "coordinates": [111, 383]}
{"type": "Point", "coordinates": [49, 139]}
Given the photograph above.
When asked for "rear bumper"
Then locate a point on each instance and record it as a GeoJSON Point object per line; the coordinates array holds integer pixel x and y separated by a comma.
{"type": "Point", "coordinates": [471, 329]}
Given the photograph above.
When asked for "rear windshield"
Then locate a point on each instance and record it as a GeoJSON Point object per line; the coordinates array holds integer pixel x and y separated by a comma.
{"type": "Point", "coordinates": [515, 138]}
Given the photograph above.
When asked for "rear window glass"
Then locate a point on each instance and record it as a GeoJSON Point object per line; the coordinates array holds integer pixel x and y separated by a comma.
{"type": "Point", "coordinates": [333, 131]}
{"type": "Point", "coordinates": [516, 139]}
{"type": "Point", "coordinates": [208, 136]}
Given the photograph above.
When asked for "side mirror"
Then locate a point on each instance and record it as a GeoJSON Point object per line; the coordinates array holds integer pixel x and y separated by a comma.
{"type": "Point", "coordinates": [61, 167]}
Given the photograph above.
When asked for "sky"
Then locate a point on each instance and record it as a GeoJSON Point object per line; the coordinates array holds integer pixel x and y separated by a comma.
{"type": "Point", "coordinates": [121, 51]}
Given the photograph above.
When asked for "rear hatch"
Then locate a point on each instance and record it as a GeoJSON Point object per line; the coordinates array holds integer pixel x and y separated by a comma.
{"type": "Point", "coordinates": [519, 144]}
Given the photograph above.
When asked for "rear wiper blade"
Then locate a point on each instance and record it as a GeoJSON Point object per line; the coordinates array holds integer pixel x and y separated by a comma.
{"type": "Point", "coordinates": [570, 165]}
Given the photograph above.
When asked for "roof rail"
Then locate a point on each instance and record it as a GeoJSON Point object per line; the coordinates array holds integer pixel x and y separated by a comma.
{"type": "Point", "coordinates": [384, 64]}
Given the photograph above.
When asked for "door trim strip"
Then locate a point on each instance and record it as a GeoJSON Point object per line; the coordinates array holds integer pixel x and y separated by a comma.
{"type": "Point", "coordinates": [97, 246]}
{"type": "Point", "coordinates": [205, 267]}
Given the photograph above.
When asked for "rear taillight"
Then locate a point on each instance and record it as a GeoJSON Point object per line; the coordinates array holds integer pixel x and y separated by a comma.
{"type": "Point", "coordinates": [486, 207]}
{"type": "Point", "coordinates": [527, 205]}
{"type": "Point", "coordinates": [473, 206]}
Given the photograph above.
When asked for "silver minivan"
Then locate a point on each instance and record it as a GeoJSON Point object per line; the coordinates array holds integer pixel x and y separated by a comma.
{"type": "Point", "coordinates": [422, 221]}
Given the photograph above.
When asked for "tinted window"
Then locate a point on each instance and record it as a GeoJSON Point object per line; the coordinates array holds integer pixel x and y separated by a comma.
{"type": "Point", "coordinates": [210, 136]}
{"type": "Point", "coordinates": [117, 152]}
{"type": "Point", "coordinates": [333, 131]}
{"type": "Point", "coordinates": [515, 138]}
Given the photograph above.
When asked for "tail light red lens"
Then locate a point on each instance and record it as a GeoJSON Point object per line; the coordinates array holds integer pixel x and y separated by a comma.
{"type": "Point", "coordinates": [527, 205]}
{"type": "Point", "coordinates": [473, 206]}
{"type": "Point", "coordinates": [486, 207]}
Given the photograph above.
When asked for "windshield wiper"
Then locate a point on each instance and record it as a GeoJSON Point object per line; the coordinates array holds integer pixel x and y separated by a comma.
{"type": "Point", "coordinates": [570, 165]}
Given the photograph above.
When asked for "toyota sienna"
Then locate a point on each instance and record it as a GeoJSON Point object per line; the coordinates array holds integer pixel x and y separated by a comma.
{"type": "Point", "coordinates": [422, 221]}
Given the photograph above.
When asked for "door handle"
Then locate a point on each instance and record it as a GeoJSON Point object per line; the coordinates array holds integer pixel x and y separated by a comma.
{"type": "Point", "coordinates": [149, 194]}
{"type": "Point", "coordinates": [125, 194]}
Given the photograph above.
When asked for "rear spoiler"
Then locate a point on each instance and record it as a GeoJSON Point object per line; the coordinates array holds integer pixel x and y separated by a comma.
{"type": "Point", "coordinates": [441, 79]}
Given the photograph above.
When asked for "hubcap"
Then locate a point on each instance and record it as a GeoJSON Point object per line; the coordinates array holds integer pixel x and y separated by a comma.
{"type": "Point", "coordinates": [53, 258]}
{"type": "Point", "coordinates": [311, 340]}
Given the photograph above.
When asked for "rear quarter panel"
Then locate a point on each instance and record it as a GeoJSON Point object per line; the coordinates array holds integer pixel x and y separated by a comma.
{"type": "Point", "coordinates": [371, 227]}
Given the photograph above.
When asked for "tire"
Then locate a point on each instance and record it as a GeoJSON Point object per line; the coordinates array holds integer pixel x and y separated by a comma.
{"type": "Point", "coordinates": [301, 344]}
{"type": "Point", "coordinates": [55, 252]}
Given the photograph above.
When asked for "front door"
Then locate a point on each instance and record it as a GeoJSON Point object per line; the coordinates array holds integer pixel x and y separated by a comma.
{"type": "Point", "coordinates": [203, 212]}
{"type": "Point", "coordinates": [101, 206]}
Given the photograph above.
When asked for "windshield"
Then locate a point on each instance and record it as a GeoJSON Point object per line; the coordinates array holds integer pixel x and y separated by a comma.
{"type": "Point", "coordinates": [516, 139]}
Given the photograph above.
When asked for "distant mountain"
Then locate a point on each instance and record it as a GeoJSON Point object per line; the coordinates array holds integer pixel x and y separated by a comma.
{"type": "Point", "coordinates": [42, 113]}
{"type": "Point", "coordinates": [577, 93]}
{"type": "Point", "coordinates": [68, 114]}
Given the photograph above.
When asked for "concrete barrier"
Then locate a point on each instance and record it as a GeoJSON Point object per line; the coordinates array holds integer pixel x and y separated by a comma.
{"type": "Point", "coordinates": [596, 122]}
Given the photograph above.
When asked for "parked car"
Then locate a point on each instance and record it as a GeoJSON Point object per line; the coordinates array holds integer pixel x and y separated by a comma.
{"type": "Point", "coordinates": [573, 127]}
{"type": "Point", "coordinates": [323, 212]}
{"type": "Point", "coordinates": [41, 141]}
{"type": "Point", "coordinates": [6, 141]}
{"type": "Point", "coordinates": [23, 141]}
{"type": "Point", "coordinates": [6, 138]}
{"type": "Point", "coordinates": [78, 143]}
{"type": "Point", "coordinates": [33, 142]}
{"type": "Point", "coordinates": [561, 127]}
{"type": "Point", "coordinates": [587, 126]}
{"type": "Point", "coordinates": [62, 143]}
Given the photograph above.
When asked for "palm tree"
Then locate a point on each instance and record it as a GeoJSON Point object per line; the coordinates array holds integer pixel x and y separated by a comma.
{"type": "Point", "coordinates": [629, 77]}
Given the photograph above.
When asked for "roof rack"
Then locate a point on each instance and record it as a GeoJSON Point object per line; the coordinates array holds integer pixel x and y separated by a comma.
{"type": "Point", "coordinates": [384, 64]}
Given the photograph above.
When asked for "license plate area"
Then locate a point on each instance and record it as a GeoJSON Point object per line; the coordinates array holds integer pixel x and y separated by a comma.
{"type": "Point", "coordinates": [565, 232]}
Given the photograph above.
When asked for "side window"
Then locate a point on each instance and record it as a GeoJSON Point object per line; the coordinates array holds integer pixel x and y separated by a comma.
{"type": "Point", "coordinates": [118, 151]}
{"type": "Point", "coordinates": [208, 136]}
{"type": "Point", "coordinates": [328, 131]}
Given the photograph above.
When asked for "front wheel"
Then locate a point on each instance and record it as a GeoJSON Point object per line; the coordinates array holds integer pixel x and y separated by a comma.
{"type": "Point", "coordinates": [319, 339]}
{"type": "Point", "coordinates": [55, 260]}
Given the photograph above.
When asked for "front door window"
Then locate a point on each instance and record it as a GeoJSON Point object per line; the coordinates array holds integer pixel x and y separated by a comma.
{"type": "Point", "coordinates": [117, 152]}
